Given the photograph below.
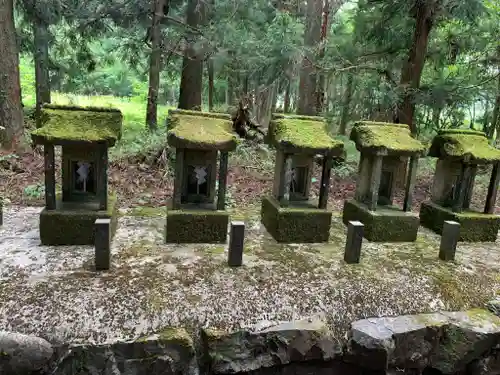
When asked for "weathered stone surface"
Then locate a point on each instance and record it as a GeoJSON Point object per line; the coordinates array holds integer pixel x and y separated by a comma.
{"type": "Point", "coordinates": [447, 341]}
{"type": "Point", "coordinates": [245, 351]}
{"type": "Point", "coordinates": [469, 336]}
{"type": "Point", "coordinates": [489, 365]}
{"type": "Point", "coordinates": [404, 341]}
{"type": "Point", "coordinates": [22, 354]}
{"type": "Point", "coordinates": [170, 352]}
{"type": "Point", "coordinates": [494, 306]}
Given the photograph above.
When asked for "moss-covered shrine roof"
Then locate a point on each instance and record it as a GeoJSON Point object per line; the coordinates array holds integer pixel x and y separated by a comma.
{"type": "Point", "coordinates": [303, 134]}
{"type": "Point", "coordinates": [61, 123]}
{"type": "Point", "coordinates": [385, 137]}
{"type": "Point", "coordinates": [201, 130]}
{"type": "Point", "coordinates": [468, 145]}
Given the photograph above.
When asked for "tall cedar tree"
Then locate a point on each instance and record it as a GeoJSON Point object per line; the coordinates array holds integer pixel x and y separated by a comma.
{"type": "Point", "coordinates": [159, 8]}
{"type": "Point", "coordinates": [192, 64]}
{"type": "Point", "coordinates": [11, 112]}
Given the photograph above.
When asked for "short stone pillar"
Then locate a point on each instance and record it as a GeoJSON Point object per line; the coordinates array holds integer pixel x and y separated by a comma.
{"type": "Point", "coordinates": [102, 244]}
{"type": "Point", "coordinates": [289, 214]}
{"type": "Point", "coordinates": [236, 244]}
{"type": "Point", "coordinates": [459, 153]}
{"type": "Point", "coordinates": [384, 149]}
{"type": "Point", "coordinates": [354, 240]}
{"type": "Point", "coordinates": [449, 240]}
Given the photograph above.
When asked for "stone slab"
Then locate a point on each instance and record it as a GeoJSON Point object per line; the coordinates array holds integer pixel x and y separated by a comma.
{"type": "Point", "coordinates": [55, 293]}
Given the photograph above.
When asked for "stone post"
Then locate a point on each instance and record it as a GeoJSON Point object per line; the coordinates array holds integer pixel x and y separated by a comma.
{"type": "Point", "coordinates": [463, 181]}
{"type": "Point", "coordinates": [491, 197]}
{"type": "Point", "coordinates": [470, 187]}
{"type": "Point", "coordinates": [102, 244]}
{"type": "Point", "coordinates": [376, 174]}
{"type": "Point", "coordinates": [236, 241]}
{"type": "Point", "coordinates": [285, 180]}
{"type": "Point", "coordinates": [354, 241]}
{"type": "Point", "coordinates": [103, 177]}
{"type": "Point", "coordinates": [50, 176]}
{"type": "Point", "coordinates": [325, 182]}
{"type": "Point", "coordinates": [410, 183]}
{"type": "Point", "coordinates": [178, 178]}
{"type": "Point", "coordinates": [449, 240]}
{"type": "Point", "coordinates": [221, 193]}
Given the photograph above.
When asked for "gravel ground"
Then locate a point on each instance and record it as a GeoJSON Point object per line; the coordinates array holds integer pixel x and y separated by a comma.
{"type": "Point", "coordinates": [55, 293]}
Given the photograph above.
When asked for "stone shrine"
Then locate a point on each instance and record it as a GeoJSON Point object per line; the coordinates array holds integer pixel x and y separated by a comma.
{"type": "Point", "coordinates": [384, 147]}
{"type": "Point", "coordinates": [85, 135]}
{"type": "Point", "coordinates": [460, 153]}
{"type": "Point", "coordinates": [195, 215]}
{"type": "Point", "coordinates": [289, 214]}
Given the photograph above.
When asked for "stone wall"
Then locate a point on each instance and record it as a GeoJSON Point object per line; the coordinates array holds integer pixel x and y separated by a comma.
{"type": "Point", "coordinates": [454, 343]}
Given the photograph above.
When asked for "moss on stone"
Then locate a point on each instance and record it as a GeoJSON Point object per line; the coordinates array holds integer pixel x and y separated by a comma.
{"type": "Point", "coordinates": [295, 225]}
{"type": "Point", "coordinates": [298, 135]}
{"type": "Point", "coordinates": [74, 225]}
{"type": "Point", "coordinates": [474, 226]}
{"type": "Point", "coordinates": [468, 145]}
{"type": "Point", "coordinates": [191, 226]}
{"type": "Point", "coordinates": [84, 124]}
{"type": "Point", "coordinates": [383, 225]}
{"type": "Point", "coordinates": [201, 131]}
{"type": "Point", "coordinates": [146, 211]}
{"type": "Point", "coordinates": [176, 334]}
{"type": "Point", "coordinates": [393, 138]}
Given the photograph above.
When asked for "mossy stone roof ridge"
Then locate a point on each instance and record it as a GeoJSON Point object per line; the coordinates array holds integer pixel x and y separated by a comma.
{"type": "Point", "coordinates": [296, 135]}
{"type": "Point", "coordinates": [59, 124]}
{"type": "Point", "coordinates": [277, 116]}
{"type": "Point", "coordinates": [224, 116]}
{"type": "Point", "coordinates": [464, 144]}
{"type": "Point", "coordinates": [394, 139]}
{"type": "Point", "coordinates": [201, 130]}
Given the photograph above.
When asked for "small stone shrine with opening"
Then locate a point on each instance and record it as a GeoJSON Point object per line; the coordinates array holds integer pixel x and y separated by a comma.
{"type": "Point", "coordinates": [197, 212]}
{"type": "Point", "coordinates": [85, 135]}
{"type": "Point", "coordinates": [460, 153]}
{"type": "Point", "coordinates": [384, 149]}
{"type": "Point", "coordinates": [290, 215]}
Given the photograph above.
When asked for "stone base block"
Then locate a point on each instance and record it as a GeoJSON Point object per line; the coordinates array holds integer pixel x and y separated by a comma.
{"type": "Point", "coordinates": [474, 226]}
{"type": "Point", "coordinates": [196, 226]}
{"type": "Point", "coordinates": [295, 224]}
{"type": "Point", "coordinates": [386, 224]}
{"type": "Point", "coordinates": [73, 224]}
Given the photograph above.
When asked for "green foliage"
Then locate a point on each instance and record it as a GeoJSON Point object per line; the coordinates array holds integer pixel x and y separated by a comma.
{"type": "Point", "coordinates": [35, 191]}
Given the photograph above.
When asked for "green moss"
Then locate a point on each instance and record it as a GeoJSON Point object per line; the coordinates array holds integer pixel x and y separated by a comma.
{"type": "Point", "coordinates": [482, 316]}
{"type": "Point", "coordinates": [384, 225]}
{"type": "Point", "coordinates": [146, 211]}
{"type": "Point", "coordinates": [303, 136]}
{"type": "Point", "coordinates": [59, 123]}
{"type": "Point", "coordinates": [395, 138]}
{"type": "Point", "coordinates": [72, 225]}
{"type": "Point", "coordinates": [191, 226]}
{"type": "Point", "coordinates": [464, 144]}
{"type": "Point", "coordinates": [474, 226]}
{"type": "Point", "coordinates": [295, 225]}
{"type": "Point", "coordinates": [176, 334]}
{"type": "Point", "coordinates": [201, 132]}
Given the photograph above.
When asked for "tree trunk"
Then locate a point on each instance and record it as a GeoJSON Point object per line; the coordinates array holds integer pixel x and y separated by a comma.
{"type": "Point", "coordinates": [412, 69]}
{"type": "Point", "coordinates": [347, 104]}
{"type": "Point", "coordinates": [11, 112]}
{"type": "Point", "coordinates": [42, 80]}
{"type": "Point", "coordinates": [210, 66]}
{"type": "Point", "coordinates": [495, 119]}
{"type": "Point", "coordinates": [307, 84]}
{"type": "Point", "coordinates": [192, 65]}
{"type": "Point", "coordinates": [320, 89]}
{"type": "Point", "coordinates": [154, 65]}
{"type": "Point", "coordinates": [286, 104]}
